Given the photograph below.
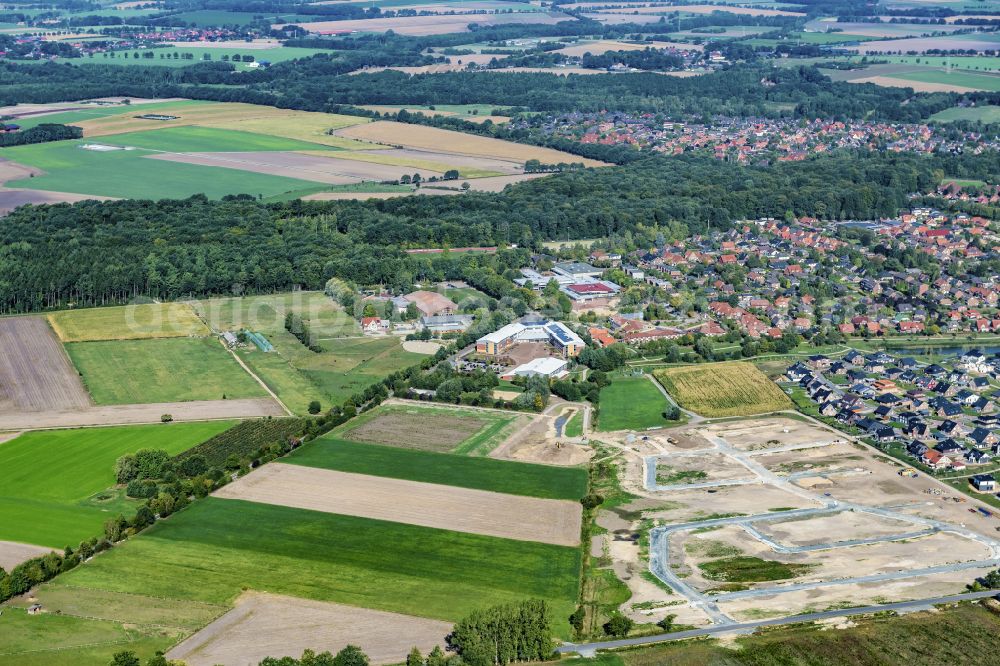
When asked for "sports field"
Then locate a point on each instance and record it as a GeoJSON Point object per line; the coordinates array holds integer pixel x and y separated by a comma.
{"type": "Point", "coordinates": [51, 477]}
{"type": "Point", "coordinates": [440, 429]}
{"type": "Point", "coordinates": [515, 478]}
{"type": "Point", "coordinates": [129, 322]}
{"type": "Point", "coordinates": [631, 403]}
{"type": "Point", "coordinates": [723, 389]}
{"type": "Point", "coordinates": [122, 372]}
{"type": "Point", "coordinates": [216, 548]}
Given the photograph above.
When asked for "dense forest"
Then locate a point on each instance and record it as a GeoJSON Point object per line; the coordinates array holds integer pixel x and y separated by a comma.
{"type": "Point", "coordinates": [104, 252]}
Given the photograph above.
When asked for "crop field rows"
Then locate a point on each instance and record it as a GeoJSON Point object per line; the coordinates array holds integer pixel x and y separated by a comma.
{"type": "Point", "coordinates": [723, 389]}
{"type": "Point", "coordinates": [35, 373]}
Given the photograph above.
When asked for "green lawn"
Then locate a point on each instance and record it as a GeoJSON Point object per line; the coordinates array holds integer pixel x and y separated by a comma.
{"type": "Point", "coordinates": [194, 139]}
{"type": "Point", "coordinates": [122, 372]}
{"type": "Point", "coordinates": [50, 477]}
{"type": "Point", "coordinates": [130, 174]}
{"type": "Point", "coordinates": [291, 386]}
{"type": "Point", "coordinates": [349, 366]}
{"type": "Point", "coordinates": [91, 112]}
{"type": "Point", "coordinates": [216, 548]}
{"type": "Point", "coordinates": [965, 78]}
{"type": "Point", "coordinates": [574, 427]}
{"type": "Point", "coordinates": [500, 476]}
{"type": "Point", "coordinates": [631, 403]}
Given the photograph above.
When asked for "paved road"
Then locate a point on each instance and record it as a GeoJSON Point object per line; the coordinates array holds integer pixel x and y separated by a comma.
{"type": "Point", "coordinates": [587, 649]}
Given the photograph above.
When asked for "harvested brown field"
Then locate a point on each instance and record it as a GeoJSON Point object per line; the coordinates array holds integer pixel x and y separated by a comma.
{"type": "Point", "coordinates": [411, 502]}
{"type": "Point", "coordinates": [921, 44]}
{"type": "Point", "coordinates": [12, 553]}
{"type": "Point", "coordinates": [605, 45]}
{"type": "Point", "coordinates": [690, 9]}
{"type": "Point", "coordinates": [295, 165]}
{"type": "Point", "coordinates": [269, 625]}
{"type": "Point", "coordinates": [14, 198]}
{"type": "Point", "coordinates": [426, 431]}
{"type": "Point", "coordinates": [918, 86]}
{"type": "Point", "coordinates": [195, 410]}
{"type": "Point", "coordinates": [35, 373]}
{"type": "Point", "coordinates": [431, 138]}
{"type": "Point", "coordinates": [429, 25]}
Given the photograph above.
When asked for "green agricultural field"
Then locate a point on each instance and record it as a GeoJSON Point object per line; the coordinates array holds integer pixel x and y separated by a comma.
{"type": "Point", "coordinates": [194, 139]}
{"type": "Point", "coordinates": [127, 322]}
{"type": "Point", "coordinates": [91, 112]}
{"type": "Point", "coordinates": [266, 313]}
{"type": "Point", "coordinates": [631, 403]}
{"type": "Point", "coordinates": [291, 386]}
{"type": "Point", "coordinates": [124, 372]}
{"type": "Point", "coordinates": [349, 366]}
{"type": "Point", "coordinates": [215, 549]}
{"type": "Point", "coordinates": [964, 78]}
{"type": "Point", "coordinates": [52, 477]}
{"type": "Point", "coordinates": [130, 174]}
{"type": "Point", "coordinates": [514, 478]}
{"type": "Point", "coordinates": [164, 57]}
{"type": "Point", "coordinates": [984, 114]}
{"type": "Point", "coordinates": [723, 389]}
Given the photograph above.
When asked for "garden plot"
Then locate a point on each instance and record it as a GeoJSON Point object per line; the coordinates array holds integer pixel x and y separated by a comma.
{"type": "Point", "coordinates": [294, 165]}
{"type": "Point", "coordinates": [269, 625]}
{"type": "Point", "coordinates": [425, 504]}
{"type": "Point", "coordinates": [831, 528]}
{"type": "Point", "coordinates": [757, 434]}
{"type": "Point", "coordinates": [35, 373]}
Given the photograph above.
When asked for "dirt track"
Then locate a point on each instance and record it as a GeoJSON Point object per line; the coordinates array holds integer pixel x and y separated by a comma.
{"type": "Point", "coordinates": [12, 554]}
{"type": "Point", "coordinates": [35, 372]}
{"type": "Point", "coordinates": [267, 625]}
{"type": "Point", "coordinates": [196, 410]}
{"type": "Point", "coordinates": [411, 502]}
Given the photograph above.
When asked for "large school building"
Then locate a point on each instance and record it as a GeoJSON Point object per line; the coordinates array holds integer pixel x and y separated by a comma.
{"type": "Point", "coordinates": [555, 333]}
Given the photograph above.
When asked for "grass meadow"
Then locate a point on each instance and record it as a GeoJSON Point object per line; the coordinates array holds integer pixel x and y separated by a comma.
{"type": "Point", "coordinates": [164, 57]}
{"type": "Point", "coordinates": [987, 113]}
{"type": "Point", "coordinates": [122, 372]}
{"type": "Point", "coordinates": [128, 322]}
{"type": "Point", "coordinates": [128, 174]}
{"type": "Point", "coordinates": [723, 389]}
{"type": "Point", "coordinates": [51, 476]}
{"type": "Point", "coordinates": [631, 403]}
{"type": "Point", "coordinates": [514, 478]}
{"type": "Point", "coordinates": [194, 139]}
{"type": "Point", "coordinates": [216, 548]}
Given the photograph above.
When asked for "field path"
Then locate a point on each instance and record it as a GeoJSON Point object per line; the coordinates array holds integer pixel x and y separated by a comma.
{"type": "Point", "coordinates": [258, 379]}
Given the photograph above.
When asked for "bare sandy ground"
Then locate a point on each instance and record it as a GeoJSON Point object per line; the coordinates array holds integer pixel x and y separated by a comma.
{"type": "Point", "coordinates": [36, 375]}
{"type": "Point", "coordinates": [296, 165]}
{"type": "Point", "coordinates": [429, 25]}
{"type": "Point", "coordinates": [421, 347]}
{"type": "Point", "coordinates": [13, 553]}
{"type": "Point", "coordinates": [807, 601]}
{"type": "Point", "coordinates": [757, 434]}
{"type": "Point", "coordinates": [198, 410]}
{"type": "Point", "coordinates": [411, 502]}
{"type": "Point", "coordinates": [831, 528]}
{"type": "Point", "coordinates": [918, 86]}
{"type": "Point", "coordinates": [440, 154]}
{"type": "Point", "coordinates": [268, 625]}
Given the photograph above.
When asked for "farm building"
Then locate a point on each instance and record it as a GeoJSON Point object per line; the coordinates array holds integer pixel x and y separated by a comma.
{"type": "Point", "coordinates": [229, 338]}
{"type": "Point", "coordinates": [430, 303]}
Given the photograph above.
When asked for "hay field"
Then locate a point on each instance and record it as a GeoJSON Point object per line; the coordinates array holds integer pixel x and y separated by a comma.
{"type": "Point", "coordinates": [266, 313]}
{"type": "Point", "coordinates": [122, 372]}
{"type": "Point", "coordinates": [603, 46]}
{"type": "Point", "coordinates": [127, 322]}
{"type": "Point", "coordinates": [464, 510]}
{"type": "Point", "coordinates": [723, 389]}
{"type": "Point", "coordinates": [51, 477]}
{"type": "Point", "coordinates": [431, 138]}
{"type": "Point", "coordinates": [500, 476]}
{"type": "Point", "coordinates": [688, 9]}
{"type": "Point", "coordinates": [35, 373]}
{"type": "Point", "coordinates": [270, 625]}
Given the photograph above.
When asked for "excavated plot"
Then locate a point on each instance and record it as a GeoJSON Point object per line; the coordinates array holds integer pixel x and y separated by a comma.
{"type": "Point", "coordinates": [268, 625]}
{"type": "Point", "coordinates": [758, 434]}
{"type": "Point", "coordinates": [414, 503]}
{"type": "Point", "coordinates": [35, 372]}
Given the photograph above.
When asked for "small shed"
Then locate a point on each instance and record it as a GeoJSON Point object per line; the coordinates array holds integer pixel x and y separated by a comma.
{"type": "Point", "coordinates": [34, 609]}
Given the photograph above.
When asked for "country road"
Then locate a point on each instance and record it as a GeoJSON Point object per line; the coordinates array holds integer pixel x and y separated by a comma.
{"type": "Point", "coordinates": [588, 649]}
